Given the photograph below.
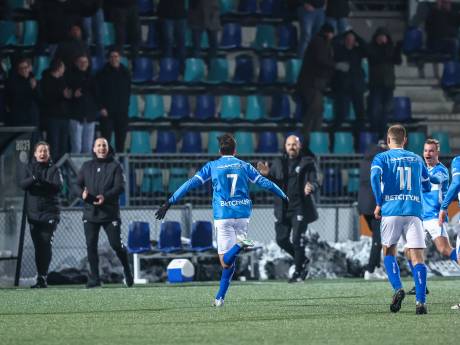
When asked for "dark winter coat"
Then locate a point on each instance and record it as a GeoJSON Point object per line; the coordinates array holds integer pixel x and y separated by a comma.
{"type": "Point", "coordinates": [172, 9]}
{"type": "Point", "coordinates": [337, 8]}
{"type": "Point", "coordinates": [21, 102]}
{"type": "Point", "coordinates": [102, 176]}
{"type": "Point", "coordinates": [71, 49]}
{"type": "Point", "coordinates": [52, 100]}
{"type": "Point", "coordinates": [86, 106]}
{"type": "Point", "coordinates": [204, 15]}
{"type": "Point", "coordinates": [307, 172]}
{"type": "Point", "coordinates": [314, 3]}
{"type": "Point", "coordinates": [442, 24]}
{"type": "Point", "coordinates": [43, 182]}
{"type": "Point", "coordinates": [114, 89]}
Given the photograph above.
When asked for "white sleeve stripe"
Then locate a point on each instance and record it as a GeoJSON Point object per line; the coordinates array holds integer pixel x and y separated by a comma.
{"type": "Point", "coordinates": [376, 167]}
{"type": "Point", "coordinates": [255, 180]}
{"type": "Point", "coordinates": [455, 174]}
{"type": "Point", "coordinates": [201, 179]}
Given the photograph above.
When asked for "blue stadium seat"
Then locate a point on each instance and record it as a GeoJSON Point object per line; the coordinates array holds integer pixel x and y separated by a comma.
{"type": "Point", "coordinates": [298, 112]}
{"type": "Point", "coordinates": [218, 71]}
{"type": "Point", "coordinates": [402, 110]}
{"type": "Point", "coordinates": [139, 237]}
{"type": "Point", "coordinates": [166, 142]}
{"type": "Point", "coordinates": [170, 237]}
{"type": "Point", "coordinates": [145, 7]}
{"type": "Point", "coordinates": [255, 108]}
{"type": "Point", "coordinates": [191, 142]}
{"type": "Point", "coordinates": [244, 69]}
{"type": "Point", "coordinates": [366, 140]}
{"type": "Point", "coordinates": [97, 62]}
{"type": "Point", "coordinates": [194, 70]}
{"type": "Point", "coordinates": [332, 182]}
{"type": "Point", "coordinates": [450, 74]}
{"type": "Point", "coordinates": [227, 6]}
{"type": "Point", "coordinates": [152, 181]}
{"type": "Point", "coordinates": [140, 142]}
{"type": "Point", "coordinates": [328, 109]}
{"type": "Point", "coordinates": [230, 107]}
{"type": "Point", "coordinates": [343, 143]}
{"type": "Point", "coordinates": [281, 109]}
{"type": "Point", "coordinates": [154, 106]}
{"type": "Point", "coordinates": [169, 70]}
{"type": "Point", "coordinates": [353, 180]}
{"type": "Point", "coordinates": [413, 40]}
{"type": "Point", "coordinates": [231, 36]}
{"type": "Point", "coordinates": [109, 34]}
{"type": "Point", "coordinates": [201, 236]}
{"type": "Point", "coordinates": [213, 145]}
{"type": "Point", "coordinates": [444, 142]}
{"type": "Point", "coordinates": [30, 34]}
{"type": "Point", "coordinates": [205, 107]}
{"type": "Point", "coordinates": [268, 143]}
{"type": "Point", "coordinates": [244, 143]}
{"type": "Point", "coordinates": [265, 37]}
{"type": "Point", "coordinates": [177, 176]}
{"type": "Point", "coordinates": [319, 143]}
{"type": "Point", "coordinates": [247, 6]}
{"type": "Point", "coordinates": [152, 40]}
{"type": "Point", "coordinates": [133, 110]}
{"type": "Point", "coordinates": [415, 142]}
{"type": "Point", "coordinates": [143, 70]}
{"type": "Point", "coordinates": [180, 106]}
{"type": "Point", "coordinates": [7, 33]}
{"type": "Point", "coordinates": [41, 63]}
{"type": "Point", "coordinates": [270, 7]}
{"type": "Point", "coordinates": [268, 73]}
{"type": "Point", "coordinates": [287, 36]}
{"type": "Point", "coordinates": [292, 70]}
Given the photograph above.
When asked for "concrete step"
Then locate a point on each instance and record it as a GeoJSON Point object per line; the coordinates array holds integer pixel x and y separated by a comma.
{"type": "Point", "coordinates": [450, 120]}
{"type": "Point", "coordinates": [433, 107]}
{"type": "Point", "coordinates": [421, 94]}
{"type": "Point", "coordinates": [428, 70]}
{"type": "Point", "coordinates": [417, 81]}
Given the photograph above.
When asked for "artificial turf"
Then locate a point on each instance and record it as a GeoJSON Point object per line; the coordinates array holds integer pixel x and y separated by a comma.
{"type": "Point", "coordinates": [344, 311]}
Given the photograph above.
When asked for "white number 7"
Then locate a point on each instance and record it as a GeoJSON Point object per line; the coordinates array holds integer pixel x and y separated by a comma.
{"type": "Point", "coordinates": [408, 179]}
{"type": "Point", "coordinates": [234, 177]}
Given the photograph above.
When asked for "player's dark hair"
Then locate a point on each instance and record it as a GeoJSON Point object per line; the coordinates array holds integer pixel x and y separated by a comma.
{"type": "Point", "coordinates": [397, 133]}
{"type": "Point", "coordinates": [40, 143]}
{"type": "Point", "coordinates": [431, 141]}
{"type": "Point", "coordinates": [227, 144]}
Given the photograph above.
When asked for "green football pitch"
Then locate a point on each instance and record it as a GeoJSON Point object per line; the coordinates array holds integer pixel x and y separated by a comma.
{"type": "Point", "coordinates": [343, 311]}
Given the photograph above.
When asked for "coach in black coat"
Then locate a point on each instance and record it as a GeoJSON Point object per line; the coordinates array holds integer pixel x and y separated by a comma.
{"type": "Point", "coordinates": [42, 182]}
{"type": "Point", "coordinates": [100, 182]}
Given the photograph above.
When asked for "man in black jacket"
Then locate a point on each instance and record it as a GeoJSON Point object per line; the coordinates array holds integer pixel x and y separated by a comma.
{"type": "Point", "coordinates": [297, 175]}
{"type": "Point", "coordinates": [42, 182]}
{"type": "Point", "coordinates": [100, 183]}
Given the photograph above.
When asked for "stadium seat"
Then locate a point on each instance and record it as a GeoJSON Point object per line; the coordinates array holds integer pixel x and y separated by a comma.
{"type": "Point", "coordinates": [170, 237]}
{"type": "Point", "coordinates": [143, 70]}
{"type": "Point", "coordinates": [402, 110]}
{"type": "Point", "coordinates": [268, 142]}
{"type": "Point", "coordinates": [366, 140]}
{"type": "Point", "coordinates": [328, 109]}
{"type": "Point", "coordinates": [204, 41]}
{"type": "Point", "coordinates": [247, 6]}
{"type": "Point", "coordinates": [287, 36]}
{"type": "Point", "coordinates": [140, 142]}
{"type": "Point", "coordinates": [201, 236]}
{"type": "Point", "coordinates": [353, 180]}
{"type": "Point", "coordinates": [292, 70]}
{"type": "Point", "coordinates": [213, 145]}
{"type": "Point", "coordinates": [166, 142]}
{"type": "Point", "coordinates": [365, 67]}
{"type": "Point", "coordinates": [269, 7]}
{"type": "Point", "coordinates": [41, 63]}
{"type": "Point", "coordinates": [281, 109]}
{"type": "Point", "coordinates": [180, 106]}
{"type": "Point", "coordinates": [265, 37]}
{"type": "Point", "coordinates": [415, 142]}
{"type": "Point", "coordinates": [17, 4]}
{"type": "Point", "coordinates": [154, 106]}
{"type": "Point", "coordinates": [97, 62]}
{"type": "Point", "coordinates": [244, 70]}
{"type": "Point", "coordinates": [450, 74]}
{"type": "Point", "coordinates": [332, 182]}
{"type": "Point", "coordinates": [444, 142]}
{"type": "Point", "coordinates": [268, 72]}
{"type": "Point", "coordinates": [30, 34]}
{"type": "Point", "coordinates": [152, 40]}
{"type": "Point", "coordinates": [218, 71]}
{"type": "Point", "coordinates": [7, 33]}
{"type": "Point", "coordinates": [169, 70]}
{"type": "Point", "coordinates": [413, 40]}
{"type": "Point", "coordinates": [231, 36]}
{"type": "Point", "coordinates": [319, 143]}
{"type": "Point", "coordinates": [177, 176]}
{"type": "Point", "coordinates": [227, 6]}
{"type": "Point", "coordinates": [133, 110]}
{"type": "Point", "coordinates": [194, 70]}
{"type": "Point", "coordinates": [230, 107]}
{"type": "Point", "coordinates": [343, 143]}
{"type": "Point", "coordinates": [205, 107]}
{"type": "Point", "coordinates": [244, 143]}
{"type": "Point", "coordinates": [152, 181]}
{"type": "Point", "coordinates": [191, 142]}
{"type": "Point", "coordinates": [145, 7]}
{"type": "Point", "coordinates": [139, 237]}
{"type": "Point", "coordinates": [255, 108]}
{"type": "Point", "coordinates": [109, 34]}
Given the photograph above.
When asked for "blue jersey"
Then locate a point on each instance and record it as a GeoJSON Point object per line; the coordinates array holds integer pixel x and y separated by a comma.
{"type": "Point", "coordinates": [432, 200]}
{"type": "Point", "coordinates": [454, 187]}
{"type": "Point", "coordinates": [397, 179]}
{"type": "Point", "coordinates": [230, 179]}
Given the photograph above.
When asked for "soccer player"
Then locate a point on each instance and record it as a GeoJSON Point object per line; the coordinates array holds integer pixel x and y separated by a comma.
{"type": "Point", "coordinates": [397, 179]}
{"type": "Point", "coordinates": [232, 206]}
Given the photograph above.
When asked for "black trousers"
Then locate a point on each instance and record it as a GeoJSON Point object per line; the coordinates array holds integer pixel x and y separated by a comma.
{"type": "Point", "coordinates": [312, 117]}
{"type": "Point", "coordinates": [113, 231]}
{"type": "Point", "coordinates": [127, 24]}
{"type": "Point", "coordinates": [42, 237]}
{"type": "Point", "coordinates": [117, 123]}
{"type": "Point", "coordinates": [296, 247]}
{"type": "Point", "coordinates": [375, 256]}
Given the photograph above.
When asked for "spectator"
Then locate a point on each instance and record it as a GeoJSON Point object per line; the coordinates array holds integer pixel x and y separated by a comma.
{"type": "Point", "coordinates": [82, 106]}
{"type": "Point", "coordinates": [311, 17]}
{"type": "Point", "coordinates": [73, 47]}
{"type": "Point", "coordinates": [382, 56]}
{"type": "Point", "coordinates": [100, 183]}
{"type": "Point", "coordinates": [316, 71]}
{"type": "Point", "coordinates": [173, 17]}
{"type": "Point", "coordinates": [42, 182]}
{"type": "Point", "coordinates": [114, 85]}
{"type": "Point", "coordinates": [366, 207]}
{"type": "Point", "coordinates": [442, 29]}
{"type": "Point", "coordinates": [204, 15]}
{"type": "Point", "coordinates": [21, 96]}
{"type": "Point", "coordinates": [93, 25]}
{"type": "Point", "coordinates": [54, 95]}
{"type": "Point", "coordinates": [297, 175]}
{"type": "Point", "coordinates": [337, 12]}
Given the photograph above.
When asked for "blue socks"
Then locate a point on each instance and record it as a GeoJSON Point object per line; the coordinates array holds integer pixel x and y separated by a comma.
{"type": "Point", "coordinates": [230, 256]}
{"type": "Point", "coordinates": [420, 282]}
{"type": "Point", "coordinates": [453, 255]}
{"type": "Point", "coordinates": [391, 265]}
{"type": "Point", "coordinates": [411, 267]}
{"type": "Point", "coordinates": [225, 279]}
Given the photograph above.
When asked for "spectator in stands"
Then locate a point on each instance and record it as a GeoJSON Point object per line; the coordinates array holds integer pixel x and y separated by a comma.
{"type": "Point", "coordinates": [73, 47]}
{"type": "Point", "coordinates": [42, 182]}
{"type": "Point", "coordinates": [442, 29]}
{"type": "Point", "coordinates": [100, 182]}
{"type": "Point", "coordinates": [337, 12]}
{"type": "Point", "coordinates": [82, 106]}
{"type": "Point", "coordinates": [173, 17]}
{"type": "Point", "coordinates": [204, 15]}
{"type": "Point", "coordinates": [317, 69]}
{"type": "Point", "coordinates": [93, 25]}
{"type": "Point", "coordinates": [297, 175]}
{"type": "Point", "coordinates": [21, 96]}
{"type": "Point", "coordinates": [382, 56]}
{"type": "Point", "coordinates": [125, 17]}
{"type": "Point", "coordinates": [114, 85]}
{"type": "Point", "coordinates": [311, 17]}
{"type": "Point", "coordinates": [366, 207]}
{"type": "Point", "coordinates": [53, 100]}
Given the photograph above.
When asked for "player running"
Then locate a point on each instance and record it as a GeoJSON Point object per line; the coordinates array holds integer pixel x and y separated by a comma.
{"type": "Point", "coordinates": [232, 206]}
{"type": "Point", "coordinates": [397, 179]}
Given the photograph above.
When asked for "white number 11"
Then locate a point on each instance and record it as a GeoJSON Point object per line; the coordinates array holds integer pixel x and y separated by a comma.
{"type": "Point", "coordinates": [234, 177]}
{"type": "Point", "coordinates": [405, 182]}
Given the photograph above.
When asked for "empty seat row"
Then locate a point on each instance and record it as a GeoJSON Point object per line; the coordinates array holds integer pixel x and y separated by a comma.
{"type": "Point", "coordinates": [343, 142]}
{"type": "Point", "coordinates": [416, 141]}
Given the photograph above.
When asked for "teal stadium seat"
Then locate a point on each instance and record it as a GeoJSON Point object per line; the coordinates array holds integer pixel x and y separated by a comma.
{"type": "Point", "coordinates": [230, 107]}
{"type": "Point", "coordinates": [213, 145]}
{"type": "Point", "coordinates": [319, 143]}
{"type": "Point", "coordinates": [292, 67]}
{"type": "Point", "coordinates": [244, 143]}
{"type": "Point", "coordinates": [41, 63]}
{"type": "Point", "coordinates": [140, 142]}
{"type": "Point", "coordinates": [177, 176]}
{"type": "Point", "coordinates": [443, 139]}
{"type": "Point", "coordinates": [152, 181]}
{"type": "Point", "coordinates": [353, 180]}
{"type": "Point", "coordinates": [109, 34]}
{"type": "Point", "coordinates": [7, 33]}
{"type": "Point", "coordinates": [194, 70]}
{"type": "Point", "coordinates": [133, 110]}
{"type": "Point", "coordinates": [154, 106]}
{"type": "Point", "coordinates": [30, 33]}
{"type": "Point", "coordinates": [343, 143]}
{"type": "Point", "coordinates": [218, 71]}
{"type": "Point", "coordinates": [328, 109]}
{"type": "Point", "coordinates": [255, 108]}
{"type": "Point", "coordinates": [415, 142]}
{"type": "Point", "coordinates": [227, 6]}
{"type": "Point", "coordinates": [265, 37]}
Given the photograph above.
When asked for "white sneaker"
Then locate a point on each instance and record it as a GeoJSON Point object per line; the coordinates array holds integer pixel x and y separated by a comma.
{"type": "Point", "coordinates": [369, 276]}
{"type": "Point", "coordinates": [380, 273]}
{"type": "Point", "coordinates": [218, 302]}
{"type": "Point", "coordinates": [455, 307]}
{"type": "Point", "coordinates": [246, 243]}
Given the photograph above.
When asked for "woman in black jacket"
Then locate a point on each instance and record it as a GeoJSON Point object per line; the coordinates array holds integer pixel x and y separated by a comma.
{"type": "Point", "coordinates": [43, 182]}
{"type": "Point", "coordinates": [100, 183]}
